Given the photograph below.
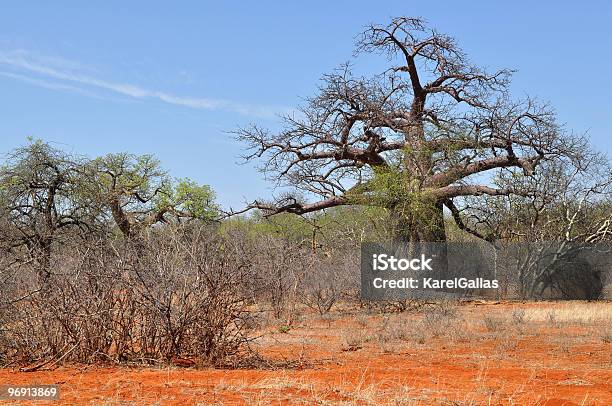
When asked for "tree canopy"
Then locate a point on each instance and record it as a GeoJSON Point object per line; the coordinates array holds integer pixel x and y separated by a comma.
{"type": "Point", "coordinates": [412, 139]}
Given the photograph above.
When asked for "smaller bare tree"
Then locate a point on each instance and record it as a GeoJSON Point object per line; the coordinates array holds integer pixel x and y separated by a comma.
{"type": "Point", "coordinates": [564, 214]}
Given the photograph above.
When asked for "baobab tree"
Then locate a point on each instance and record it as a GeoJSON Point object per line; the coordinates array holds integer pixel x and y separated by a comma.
{"type": "Point", "coordinates": [41, 205]}
{"type": "Point", "coordinates": [413, 139]}
{"type": "Point", "coordinates": [137, 193]}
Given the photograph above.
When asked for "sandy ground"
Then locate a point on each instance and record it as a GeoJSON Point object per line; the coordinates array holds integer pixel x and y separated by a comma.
{"type": "Point", "coordinates": [473, 354]}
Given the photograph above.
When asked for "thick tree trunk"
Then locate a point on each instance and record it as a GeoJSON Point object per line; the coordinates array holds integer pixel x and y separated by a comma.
{"type": "Point", "coordinates": [120, 218]}
{"type": "Point", "coordinates": [424, 226]}
{"type": "Point", "coordinates": [435, 230]}
{"type": "Point", "coordinates": [422, 232]}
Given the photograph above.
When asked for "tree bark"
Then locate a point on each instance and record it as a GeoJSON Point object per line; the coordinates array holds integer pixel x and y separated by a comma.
{"type": "Point", "coordinates": [413, 226]}
{"type": "Point", "coordinates": [422, 232]}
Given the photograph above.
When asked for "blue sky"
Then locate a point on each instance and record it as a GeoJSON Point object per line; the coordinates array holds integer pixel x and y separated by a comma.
{"type": "Point", "coordinates": [171, 78]}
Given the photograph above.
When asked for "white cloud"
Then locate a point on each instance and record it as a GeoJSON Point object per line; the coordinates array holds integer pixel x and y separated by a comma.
{"type": "Point", "coordinates": [70, 72]}
{"type": "Point", "coordinates": [53, 85]}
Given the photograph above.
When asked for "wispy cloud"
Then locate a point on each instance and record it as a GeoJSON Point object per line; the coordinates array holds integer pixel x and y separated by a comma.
{"type": "Point", "coordinates": [68, 76]}
{"type": "Point", "coordinates": [53, 85]}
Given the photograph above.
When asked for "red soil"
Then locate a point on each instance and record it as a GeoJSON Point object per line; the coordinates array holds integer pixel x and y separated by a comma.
{"type": "Point", "coordinates": [543, 365]}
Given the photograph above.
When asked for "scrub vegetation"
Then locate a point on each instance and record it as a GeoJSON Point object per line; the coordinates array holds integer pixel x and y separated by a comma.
{"type": "Point", "coordinates": [109, 261]}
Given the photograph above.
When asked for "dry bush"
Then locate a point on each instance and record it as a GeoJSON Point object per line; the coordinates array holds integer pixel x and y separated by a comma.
{"type": "Point", "coordinates": [287, 275]}
{"type": "Point", "coordinates": [518, 316]}
{"type": "Point", "coordinates": [494, 324]}
{"type": "Point", "coordinates": [439, 320]}
{"type": "Point", "coordinates": [278, 270]}
{"type": "Point", "coordinates": [66, 316]}
{"type": "Point", "coordinates": [176, 293]}
{"type": "Point", "coordinates": [328, 279]}
{"type": "Point", "coordinates": [354, 340]}
{"type": "Point", "coordinates": [551, 318]}
{"type": "Point", "coordinates": [394, 329]}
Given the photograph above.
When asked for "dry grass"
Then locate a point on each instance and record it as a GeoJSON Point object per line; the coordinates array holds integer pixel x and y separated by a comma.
{"type": "Point", "coordinates": [572, 313]}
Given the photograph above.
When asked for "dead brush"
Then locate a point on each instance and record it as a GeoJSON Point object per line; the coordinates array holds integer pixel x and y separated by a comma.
{"type": "Point", "coordinates": [442, 320]}
{"type": "Point", "coordinates": [551, 319]}
{"type": "Point", "coordinates": [518, 316]}
{"type": "Point", "coordinates": [436, 321]}
{"type": "Point", "coordinates": [506, 344]}
{"type": "Point", "coordinates": [363, 320]}
{"type": "Point", "coordinates": [393, 330]}
{"type": "Point", "coordinates": [354, 340]}
{"type": "Point", "coordinates": [494, 324]}
{"type": "Point", "coordinates": [179, 295]}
